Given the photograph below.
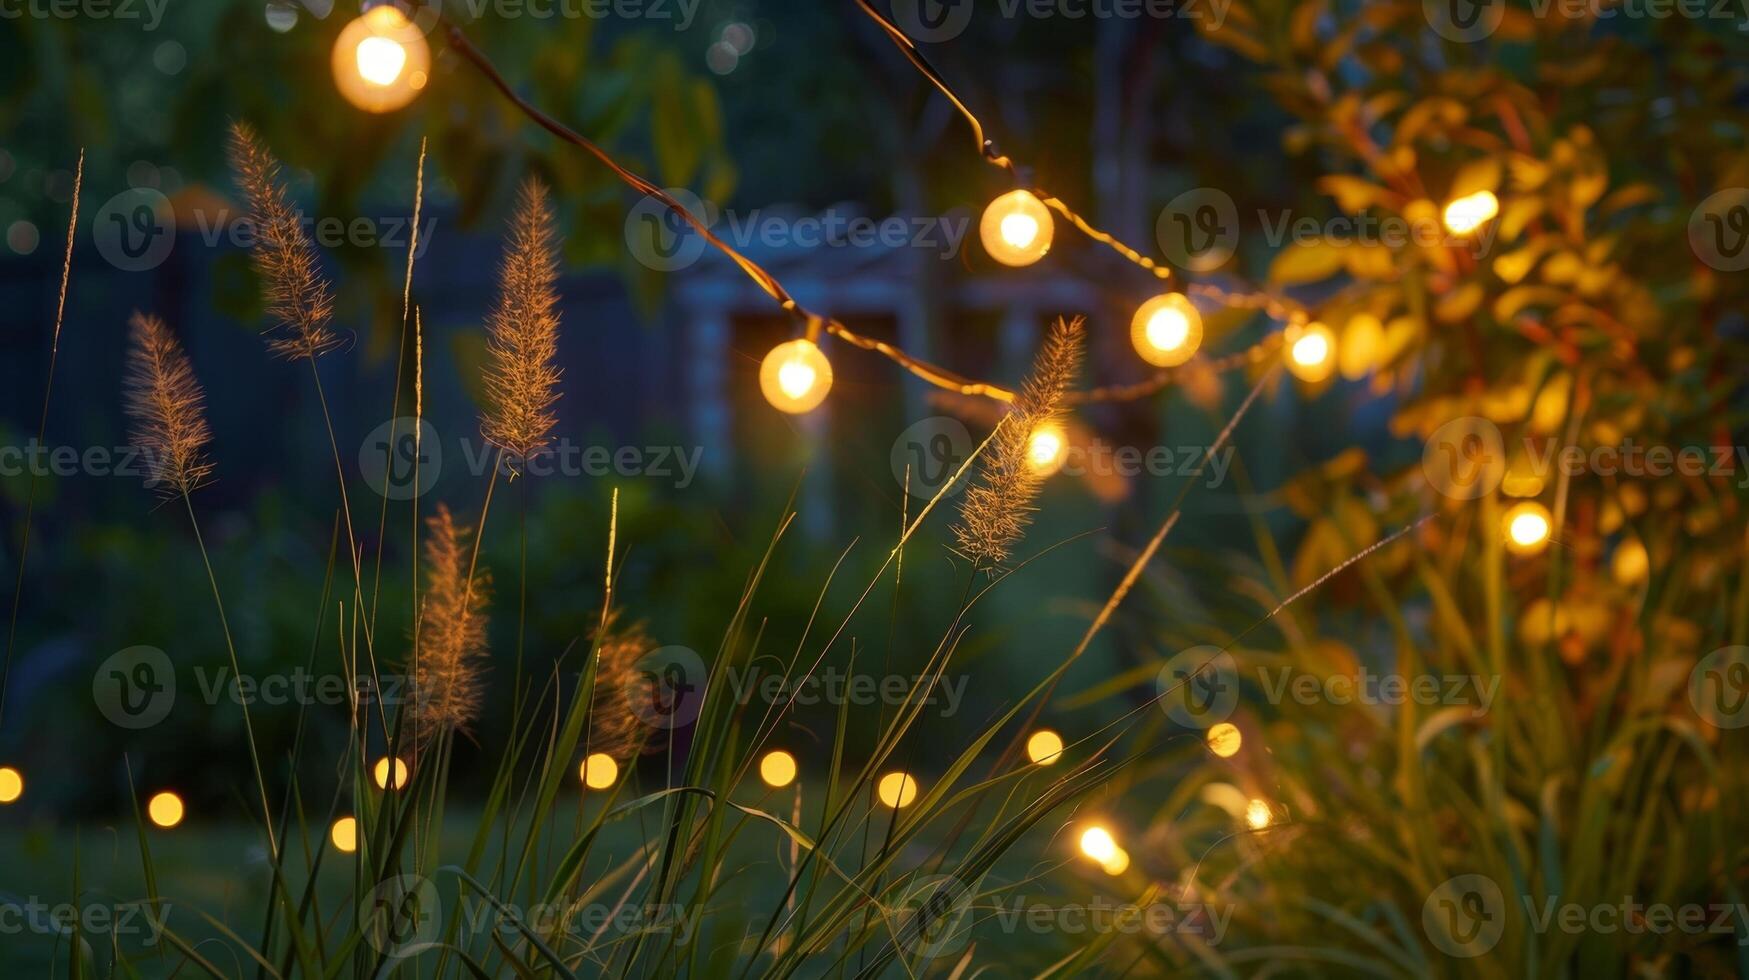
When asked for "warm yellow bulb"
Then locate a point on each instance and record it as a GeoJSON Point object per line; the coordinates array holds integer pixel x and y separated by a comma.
{"type": "Point", "coordinates": [11, 784]}
{"type": "Point", "coordinates": [599, 771]}
{"type": "Point", "coordinates": [381, 60]}
{"type": "Point", "coordinates": [1527, 526]}
{"type": "Point", "coordinates": [165, 809]}
{"type": "Point", "coordinates": [1311, 351]}
{"type": "Point", "coordinates": [1472, 211]}
{"type": "Point", "coordinates": [795, 376]}
{"type": "Point", "coordinates": [897, 789]}
{"type": "Point", "coordinates": [344, 834]}
{"type": "Point", "coordinates": [1019, 230]}
{"type": "Point", "coordinates": [381, 773]}
{"type": "Point", "coordinates": [1257, 814]}
{"type": "Point", "coordinates": [1044, 747]}
{"type": "Point", "coordinates": [1629, 566]}
{"type": "Point", "coordinates": [778, 768]}
{"type": "Point", "coordinates": [1016, 228]}
{"type": "Point", "coordinates": [1098, 844]}
{"type": "Point", "coordinates": [1046, 448]}
{"type": "Point", "coordinates": [1224, 739]}
{"type": "Point", "coordinates": [1166, 330]}
{"type": "Point", "coordinates": [1118, 863]}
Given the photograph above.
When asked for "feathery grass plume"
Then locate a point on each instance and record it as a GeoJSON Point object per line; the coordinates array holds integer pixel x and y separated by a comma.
{"type": "Point", "coordinates": [997, 509]}
{"type": "Point", "coordinates": [523, 332]}
{"type": "Point", "coordinates": [297, 295]}
{"type": "Point", "coordinates": [451, 633]}
{"type": "Point", "coordinates": [167, 407]}
{"type": "Point", "coordinates": [615, 722]}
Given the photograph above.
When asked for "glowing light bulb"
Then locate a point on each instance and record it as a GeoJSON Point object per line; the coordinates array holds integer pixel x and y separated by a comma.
{"type": "Point", "coordinates": [1016, 228]}
{"type": "Point", "coordinates": [1465, 214]}
{"type": "Point", "coordinates": [1019, 230]}
{"type": "Point", "coordinates": [1311, 351]}
{"type": "Point", "coordinates": [795, 376]}
{"type": "Point", "coordinates": [165, 809]}
{"type": "Point", "coordinates": [1046, 448]}
{"type": "Point", "coordinates": [1629, 566]}
{"type": "Point", "coordinates": [897, 790]}
{"type": "Point", "coordinates": [599, 771]}
{"type": "Point", "coordinates": [344, 834]}
{"type": "Point", "coordinates": [1166, 330]}
{"type": "Point", "coordinates": [1117, 864]}
{"type": "Point", "coordinates": [1223, 739]}
{"type": "Point", "coordinates": [1527, 526]}
{"type": "Point", "coordinates": [1044, 747]}
{"type": "Point", "coordinates": [778, 768]}
{"type": "Point", "coordinates": [1098, 844]}
{"type": "Point", "coordinates": [381, 773]}
{"type": "Point", "coordinates": [1257, 814]}
{"type": "Point", "coordinates": [381, 60]}
{"type": "Point", "coordinates": [11, 784]}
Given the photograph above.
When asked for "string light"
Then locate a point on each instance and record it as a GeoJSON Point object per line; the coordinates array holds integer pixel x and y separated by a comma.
{"type": "Point", "coordinates": [381, 773]}
{"type": "Point", "coordinates": [11, 784]}
{"type": "Point", "coordinates": [778, 768]}
{"type": "Point", "coordinates": [344, 834]}
{"type": "Point", "coordinates": [1017, 228]}
{"type": "Point", "coordinates": [1257, 814]}
{"type": "Point", "coordinates": [896, 790]}
{"type": "Point", "coordinates": [1098, 844]}
{"type": "Point", "coordinates": [381, 60]}
{"type": "Point", "coordinates": [795, 376]}
{"type": "Point", "coordinates": [1044, 747]}
{"type": "Point", "coordinates": [1311, 351]}
{"type": "Point", "coordinates": [1046, 449]}
{"type": "Point", "coordinates": [1223, 739]}
{"type": "Point", "coordinates": [599, 771]}
{"type": "Point", "coordinates": [165, 809]}
{"type": "Point", "coordinates": [1630, 564]}
{"type": "Point", "coordinates": [1277, 307]}
{"type": "Point", "coordinates": [1526, 526]}
{"type": "Point", "coordinates": [1166, 330]}
{"type": "Point", "coordinates": [1465, 214]}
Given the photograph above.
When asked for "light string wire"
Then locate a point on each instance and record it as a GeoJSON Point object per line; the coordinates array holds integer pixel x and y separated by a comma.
{"type": "Point", "coordinates": [814, 323]}
{"type": "Point", "coordinates": [1277, 307]}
